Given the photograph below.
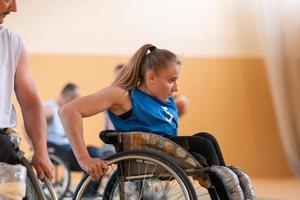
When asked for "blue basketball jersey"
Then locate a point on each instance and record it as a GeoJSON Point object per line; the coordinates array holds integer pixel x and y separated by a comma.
{"type": "Point", "coordinates": [148, 114]}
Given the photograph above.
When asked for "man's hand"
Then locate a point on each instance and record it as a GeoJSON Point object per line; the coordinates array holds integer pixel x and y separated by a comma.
{"type": "Point", "coordinates": [43, 166]}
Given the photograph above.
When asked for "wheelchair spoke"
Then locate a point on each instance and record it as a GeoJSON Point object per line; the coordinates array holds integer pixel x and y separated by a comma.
{"type": "Point", "coordinates": [200, 191]}
{"type": "Point", "coordinates": [141, 193]}
{"type": "Point", "coordinates": [176, 197]}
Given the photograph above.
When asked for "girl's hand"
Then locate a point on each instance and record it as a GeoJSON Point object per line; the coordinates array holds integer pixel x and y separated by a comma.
{"type": "Point", "coordinates": [95, 167]}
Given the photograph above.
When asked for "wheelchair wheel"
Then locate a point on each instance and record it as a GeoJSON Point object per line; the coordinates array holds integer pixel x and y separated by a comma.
{"type": "Point", "coordinates": [61, 179]}
{"type": "Point", "coordinates": [141, 175]}
{"type": "Point", "coordinates": [33, 194]}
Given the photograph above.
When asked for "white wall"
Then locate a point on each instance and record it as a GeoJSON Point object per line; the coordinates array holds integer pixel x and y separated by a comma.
{"type": "Point", "coordinates": [188, 27]}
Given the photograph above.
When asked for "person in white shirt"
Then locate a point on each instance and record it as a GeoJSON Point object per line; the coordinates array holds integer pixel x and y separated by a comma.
{"type": "Point", "coordinates": [16, 77]}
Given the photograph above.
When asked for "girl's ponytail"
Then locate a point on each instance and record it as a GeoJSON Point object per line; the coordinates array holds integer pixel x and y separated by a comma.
{"type": "Point", "coordinates": [129, 77]}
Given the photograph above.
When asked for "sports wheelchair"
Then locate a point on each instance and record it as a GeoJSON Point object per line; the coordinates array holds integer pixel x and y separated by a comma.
{"type": "Point", "coordinates": [148, 166]}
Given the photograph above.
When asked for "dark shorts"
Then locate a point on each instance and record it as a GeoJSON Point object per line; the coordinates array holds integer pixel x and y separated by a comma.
{"type": "Point", "coordinates": [7, 151]}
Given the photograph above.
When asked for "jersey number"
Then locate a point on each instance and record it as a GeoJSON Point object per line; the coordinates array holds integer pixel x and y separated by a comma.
{"type": "Point", "coordinates": [170, 116]}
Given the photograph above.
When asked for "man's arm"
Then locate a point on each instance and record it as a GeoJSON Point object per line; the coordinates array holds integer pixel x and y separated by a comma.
{"type": "Point", "coordinates": [34, 118]}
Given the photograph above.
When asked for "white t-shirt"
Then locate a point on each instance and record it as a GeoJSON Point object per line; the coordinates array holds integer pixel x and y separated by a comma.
{"type": "Point", "coordinates": [55, 129]}
{"type": "Point", "coordinates": [10, 51]}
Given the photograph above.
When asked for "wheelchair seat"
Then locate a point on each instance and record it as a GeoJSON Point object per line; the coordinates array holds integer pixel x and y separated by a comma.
{"type": "Point", "coordinates": [150, 142]}
{"type": "Point", "coordinates": [155, 143]}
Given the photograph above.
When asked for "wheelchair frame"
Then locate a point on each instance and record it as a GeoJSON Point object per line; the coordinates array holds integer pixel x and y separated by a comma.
{"type": "Point", "coordinates": [158, 148]}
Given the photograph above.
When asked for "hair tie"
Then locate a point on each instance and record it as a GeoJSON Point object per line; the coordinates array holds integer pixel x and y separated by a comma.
{"type": "Point", "coordinates": [152, 48]}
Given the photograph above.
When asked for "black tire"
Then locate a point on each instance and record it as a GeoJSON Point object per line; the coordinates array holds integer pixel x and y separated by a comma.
{"type": "Point", "coordinates": [82, 182]}
{"type": "Point", "coordinates": [162, 171]}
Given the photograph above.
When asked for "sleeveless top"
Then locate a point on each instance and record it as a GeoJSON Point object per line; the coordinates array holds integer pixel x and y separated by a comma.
{"type": "Point", "coordinates": [10, 51]}
{"type": "Point", "coordinates": [148, 114]}
{"type": "Point", "coordinates": [56, 133]}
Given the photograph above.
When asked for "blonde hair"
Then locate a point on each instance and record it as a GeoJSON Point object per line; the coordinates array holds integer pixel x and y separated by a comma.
{"type": "Point", "coordinates": [147, 57]}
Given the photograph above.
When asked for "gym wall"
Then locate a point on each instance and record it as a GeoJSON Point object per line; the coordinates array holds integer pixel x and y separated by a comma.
{"type": "Point", "coordinates": [223, 73]}
{"type": "Point", "coordinates": [228, 97]}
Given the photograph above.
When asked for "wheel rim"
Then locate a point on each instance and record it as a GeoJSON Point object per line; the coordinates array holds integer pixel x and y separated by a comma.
{"type": "Point", "coordinates": [157, 180]}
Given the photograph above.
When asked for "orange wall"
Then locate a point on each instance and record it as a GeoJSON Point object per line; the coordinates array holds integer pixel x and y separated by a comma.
{"type": "Point", "coordinates": [228, 97]}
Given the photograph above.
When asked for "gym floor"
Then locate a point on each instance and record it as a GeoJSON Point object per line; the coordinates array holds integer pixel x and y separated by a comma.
{"type": "Point", "coordinates": [277, 189]}
{"type": "Point", "coordinates": [265, 188]}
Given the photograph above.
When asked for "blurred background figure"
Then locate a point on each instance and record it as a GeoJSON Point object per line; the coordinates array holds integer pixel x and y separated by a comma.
{"type": "Point", "coordinates": [181, 104]}
{"type": "Point", "coordinates": [56, 134]}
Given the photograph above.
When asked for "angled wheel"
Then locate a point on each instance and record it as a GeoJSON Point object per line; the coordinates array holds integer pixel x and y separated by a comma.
{"type": "Point", "coordinates": [141, 175]}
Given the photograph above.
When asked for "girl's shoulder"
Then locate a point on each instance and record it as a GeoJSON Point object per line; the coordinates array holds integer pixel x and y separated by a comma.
{"type": "Point", "coordinates": [120, 98]}
{"type": "Point", "coordinates": [117, 94]}
{"type": "Point", "coordinates": [117, 90]}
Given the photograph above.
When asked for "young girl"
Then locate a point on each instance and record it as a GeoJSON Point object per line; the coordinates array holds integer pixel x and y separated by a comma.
{"type": "Point", "coordinates": [140, 99]}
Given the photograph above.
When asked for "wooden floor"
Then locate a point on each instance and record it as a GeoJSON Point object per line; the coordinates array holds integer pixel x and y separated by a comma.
{"type": "Point", "coordinates": [265, 188]}
{"type": "Point", "coordinates": [277, 189]}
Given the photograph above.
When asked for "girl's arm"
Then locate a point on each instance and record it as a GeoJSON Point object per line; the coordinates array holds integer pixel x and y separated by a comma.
{"type": "Point", "coordinates": [71, 115]}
